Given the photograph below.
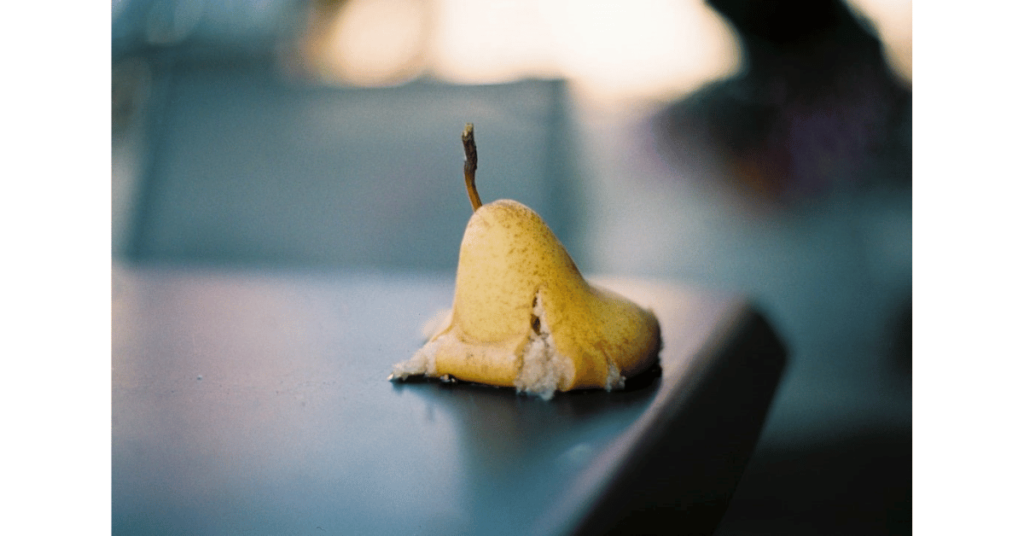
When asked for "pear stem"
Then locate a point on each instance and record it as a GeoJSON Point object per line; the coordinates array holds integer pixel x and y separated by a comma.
{"type": "Point", "coordinates": [469, 145]}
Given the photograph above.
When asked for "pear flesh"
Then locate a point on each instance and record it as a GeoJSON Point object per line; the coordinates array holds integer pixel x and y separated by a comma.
{"type": "Point", "coordinates": [523, 316]}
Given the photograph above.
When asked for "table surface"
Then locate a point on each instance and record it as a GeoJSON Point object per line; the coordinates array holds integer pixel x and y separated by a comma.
{"type": "Point", "coordinates": [256, 401]}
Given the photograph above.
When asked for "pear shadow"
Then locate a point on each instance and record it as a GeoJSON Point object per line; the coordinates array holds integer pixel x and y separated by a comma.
{"type": "Point", "coordinates": [639, 382]}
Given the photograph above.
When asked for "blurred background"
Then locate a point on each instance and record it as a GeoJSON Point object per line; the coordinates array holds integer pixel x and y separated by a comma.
{"type": "Point", "coordinates": [753, 146]}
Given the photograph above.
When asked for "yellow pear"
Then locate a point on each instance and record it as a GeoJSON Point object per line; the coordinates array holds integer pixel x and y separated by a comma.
{"type": "Point", "coordinates": [523, 316]}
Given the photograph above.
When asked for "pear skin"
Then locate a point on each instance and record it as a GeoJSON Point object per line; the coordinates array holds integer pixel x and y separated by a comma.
{"type": "Point", "coordinates": [523, 316]}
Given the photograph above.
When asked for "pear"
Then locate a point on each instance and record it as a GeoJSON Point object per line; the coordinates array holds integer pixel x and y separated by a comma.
{"type": "Point", "coordinates": [523, 316]}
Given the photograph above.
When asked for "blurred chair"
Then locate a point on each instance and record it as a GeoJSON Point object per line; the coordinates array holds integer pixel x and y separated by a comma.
{"type": "Point", "coordinates": [245, 166]}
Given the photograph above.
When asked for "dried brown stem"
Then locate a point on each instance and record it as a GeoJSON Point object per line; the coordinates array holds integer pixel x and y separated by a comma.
{"type": "Point", "coordinates": [469, 145]}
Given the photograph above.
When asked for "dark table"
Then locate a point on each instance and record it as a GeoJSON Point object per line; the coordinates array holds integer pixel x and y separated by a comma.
{"type": "Point", "coordinates": [256, 402]}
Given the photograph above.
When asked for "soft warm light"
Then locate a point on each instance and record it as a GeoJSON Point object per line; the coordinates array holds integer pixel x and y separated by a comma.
{"type": "Point", "coordinates": [648, 49]}
{"type": "Point", "coordinates": [653, 48]}
{"type": "Point", "coordinates": [610, 49]}
{"type": "Point", "coordinates": [492, 41]}
{"type": "Point", "coordinates": [377, 42]}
